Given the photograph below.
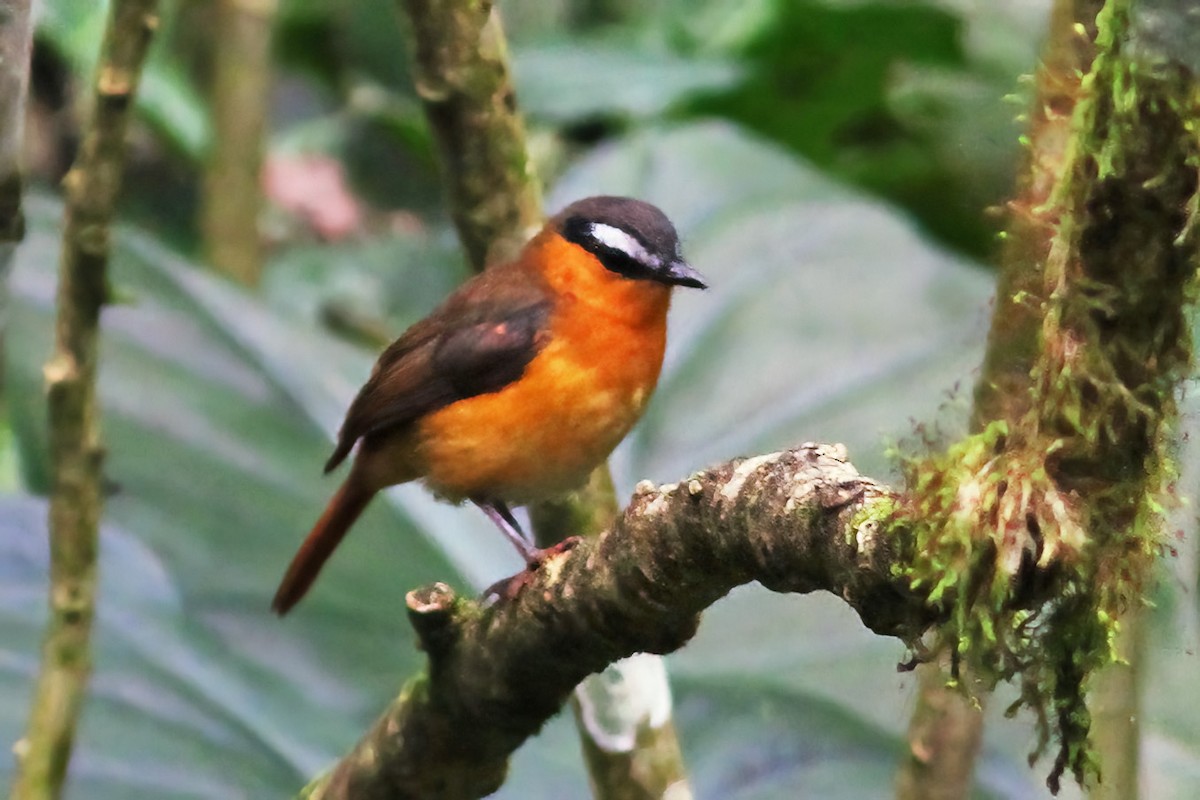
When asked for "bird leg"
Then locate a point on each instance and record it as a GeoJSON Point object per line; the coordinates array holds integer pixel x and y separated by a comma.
{"type": "Point", "coordinates": [501, 515]}
{"type": "Point", "coordinates": [503, 518]}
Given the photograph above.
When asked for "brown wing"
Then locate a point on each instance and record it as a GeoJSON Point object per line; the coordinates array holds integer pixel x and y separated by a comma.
{"type": "Point", "coordinates": [478, 341]}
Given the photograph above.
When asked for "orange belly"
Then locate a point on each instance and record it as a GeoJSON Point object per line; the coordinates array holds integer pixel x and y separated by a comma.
{"type": "Point", "coordinates": [544, 433]}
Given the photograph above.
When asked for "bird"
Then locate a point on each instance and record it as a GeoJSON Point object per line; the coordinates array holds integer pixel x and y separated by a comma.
{"type": "Point", "coordinates": [520, 383]}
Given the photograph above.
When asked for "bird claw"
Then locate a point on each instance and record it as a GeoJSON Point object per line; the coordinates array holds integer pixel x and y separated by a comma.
{"type": "Point", "coordinates": [509, 588]}
{"type": "Point", "coordinates": [536, 557]}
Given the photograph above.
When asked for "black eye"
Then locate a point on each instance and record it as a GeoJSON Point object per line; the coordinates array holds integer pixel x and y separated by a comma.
{"type": "Point", "coordinates": [616, 239]}
{"type": "Point", "coordinates": [622, 263]}
{"type": "Point", "coordinates": [617, 249]}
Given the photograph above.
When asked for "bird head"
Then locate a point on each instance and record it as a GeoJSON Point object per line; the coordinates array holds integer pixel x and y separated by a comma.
{"type": "Point", "coordinates": [629, 237]}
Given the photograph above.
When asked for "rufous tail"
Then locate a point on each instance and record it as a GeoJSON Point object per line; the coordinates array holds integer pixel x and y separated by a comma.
{"type": "Point", "coordinates": [340, 514]}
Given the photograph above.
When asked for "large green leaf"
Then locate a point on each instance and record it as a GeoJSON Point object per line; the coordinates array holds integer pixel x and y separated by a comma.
{"type": "Point", "coordinates": [573, 81]}
{"type": "Point", "coordinates": [217, 472]}
{"type": "Point", "coordinates": [170, 713]}
{"type": "Point", "coordinates": [829, 319]}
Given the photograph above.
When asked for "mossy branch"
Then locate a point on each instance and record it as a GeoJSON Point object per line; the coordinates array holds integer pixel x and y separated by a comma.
{"type": "Point", "coordinates": [92, 187]}
{"type": "Point", "coordinates": [461, 72]}
{"type": "Point", "coordinates": [798, 521]}
{"type": "Point", "coordinates": [1002, 391]}
{"type": "Point", "coordinates": [240, 97]}
{"type": "Point", "coordinates": [1066, 485]}
{"type": "Point", "coordinates": [947, 725]}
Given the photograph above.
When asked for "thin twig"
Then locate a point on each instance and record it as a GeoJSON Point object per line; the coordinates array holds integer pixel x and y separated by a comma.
{"type": "Point", "coordinates": [92, 187]}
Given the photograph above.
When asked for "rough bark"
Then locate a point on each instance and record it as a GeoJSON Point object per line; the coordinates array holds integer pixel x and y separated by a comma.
{"type": "Point", "coordinates": [798, 521]}
{"type": "Point", "coordinates": [76, 452]}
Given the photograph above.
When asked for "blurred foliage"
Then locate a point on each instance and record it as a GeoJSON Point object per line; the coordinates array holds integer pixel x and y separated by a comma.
{"type": "Point", "coordinates": [168, 99]}
{"type": "Point", "coordinates": [769, 130]}
{"type": "Point", "coordinates": [904, 99]}
{"type": "Point", "coordinates": [898, 98]}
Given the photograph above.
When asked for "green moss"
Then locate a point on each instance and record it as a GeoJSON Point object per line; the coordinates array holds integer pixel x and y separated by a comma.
{"type": "Point", "coordinates": [415, 689]}
{"type": "Point", "coordinates": [879, 515]}
{"type": "Point", "coordinates": [1034, 536]}
{"type": "Point", "coordinates": [1022, 574]}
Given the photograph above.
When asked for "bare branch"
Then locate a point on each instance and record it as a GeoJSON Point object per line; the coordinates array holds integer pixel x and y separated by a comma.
{"type": "Point", "coordinates": [241, 87]}
{"type": "Point", "coordinates": [75, 503]}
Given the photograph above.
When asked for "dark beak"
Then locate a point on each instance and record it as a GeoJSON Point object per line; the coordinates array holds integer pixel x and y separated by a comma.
{"type": "Point", "coordinates": [680, 273]}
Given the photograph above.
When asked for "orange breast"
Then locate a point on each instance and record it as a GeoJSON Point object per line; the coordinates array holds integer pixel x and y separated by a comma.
{"type": "Point", "coordinates": [577, 399]}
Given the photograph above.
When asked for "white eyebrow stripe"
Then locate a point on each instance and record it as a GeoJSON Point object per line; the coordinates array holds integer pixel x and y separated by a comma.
{"type": "Point", "coordinates": [620, 240]}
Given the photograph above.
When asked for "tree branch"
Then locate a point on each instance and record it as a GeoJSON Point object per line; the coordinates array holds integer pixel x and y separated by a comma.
{"type": "Point", "coordinates": [240, 98]}
{"type": "Point", "coordinates": [623, 715]}
{"type": "Point", "coordinates": [1002, 391]}
{"type": "Point", "coordinates": [461, 71]}
{"type": "Point", "coordinates": [947, 726]}
{"type": "Point", "coordinates": [798, 521]}
{"type": "Point", "coordinates": [75, 503]}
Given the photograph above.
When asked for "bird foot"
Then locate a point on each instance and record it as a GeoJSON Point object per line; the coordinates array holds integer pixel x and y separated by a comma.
{"type": "Point", "coordinates": [507, 589]}
{"type": "Point", "coordinates": [535, 558]}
